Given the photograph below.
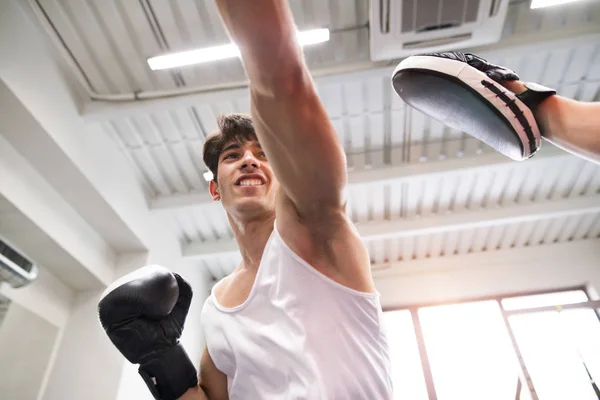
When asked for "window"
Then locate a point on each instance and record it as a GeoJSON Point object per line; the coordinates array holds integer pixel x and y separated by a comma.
{"type": "Point", "coordinates": [466, 349]}
{"type": "Point", "coordinates": [469, 351]}
{"type": "Point", "coordinates": [407, 374]}
{"type": "Point", "coordinates": [559, 348]}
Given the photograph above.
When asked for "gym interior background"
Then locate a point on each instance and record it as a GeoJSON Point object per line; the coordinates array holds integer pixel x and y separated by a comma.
{"type": "Point", "coordinates": [489, 269]}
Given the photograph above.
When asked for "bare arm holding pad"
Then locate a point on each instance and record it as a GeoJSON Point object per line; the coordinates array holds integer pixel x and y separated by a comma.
{"type": "Point", "coordinates": [569, 124]}
{"type": "Point", "coordinates": [488, 101]}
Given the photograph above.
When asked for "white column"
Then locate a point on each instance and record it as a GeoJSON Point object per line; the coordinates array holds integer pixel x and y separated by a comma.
{"type": "Point", "coordinates": [87, 366]}
{"type": "Point", "coordinates": [26, 344]}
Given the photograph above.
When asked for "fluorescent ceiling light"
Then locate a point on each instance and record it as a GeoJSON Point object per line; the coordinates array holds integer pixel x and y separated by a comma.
{"type": "Point", "coordinates": [217, 53]}
{"type": "Point", "coordinates": [548, 3]}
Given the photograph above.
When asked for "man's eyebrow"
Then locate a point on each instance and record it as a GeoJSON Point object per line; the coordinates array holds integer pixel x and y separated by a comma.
{"type": "Point", "coordinates": [230, 147]}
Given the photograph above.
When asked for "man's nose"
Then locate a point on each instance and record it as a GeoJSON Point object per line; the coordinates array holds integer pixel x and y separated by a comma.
{"type": "Point", "coordinates": [249, 160]}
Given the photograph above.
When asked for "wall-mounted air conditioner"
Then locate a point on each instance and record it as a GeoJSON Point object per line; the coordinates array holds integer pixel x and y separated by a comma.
{"type": "Point", "coordinates": [15, 268]}
{"type": "Point", "coordinates": [400, 28]}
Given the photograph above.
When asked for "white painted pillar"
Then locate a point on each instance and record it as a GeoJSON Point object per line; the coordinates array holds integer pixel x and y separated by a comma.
{"type": "Point", "coordinates": [26, 344]}
{"type": "Point", "coordinates": [86, 365]}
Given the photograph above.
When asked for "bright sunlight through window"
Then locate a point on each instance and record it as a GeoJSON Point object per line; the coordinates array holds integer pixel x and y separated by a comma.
{"type": "Point", "coordinates": [407, 374]}
{"type": "Point", "coordinates": [561, 349]}
{"type": "Point", "coordinates": [471, 355]}
{"type": "Point", "coordinates": [470, 351]}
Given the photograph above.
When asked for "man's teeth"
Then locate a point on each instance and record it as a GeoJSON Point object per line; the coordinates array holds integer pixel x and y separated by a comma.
{"type": "Point", "coordinates": [251, 182]}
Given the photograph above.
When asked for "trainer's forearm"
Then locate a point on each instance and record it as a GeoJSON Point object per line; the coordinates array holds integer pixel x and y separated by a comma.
{"type": "Point", "coordinates": [571, 124]}
{"type": "Point", "coordinates": [265, 32]}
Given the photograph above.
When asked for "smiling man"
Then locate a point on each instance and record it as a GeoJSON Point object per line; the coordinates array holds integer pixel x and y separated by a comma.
{"type": "Point", "coordinates": [235, 140]}
{"type": "Point", "coordinates": [299, 318]}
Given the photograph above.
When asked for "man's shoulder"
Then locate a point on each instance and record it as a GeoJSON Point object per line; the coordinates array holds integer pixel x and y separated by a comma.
{"type": "Point", "coordinates": [222, 285]}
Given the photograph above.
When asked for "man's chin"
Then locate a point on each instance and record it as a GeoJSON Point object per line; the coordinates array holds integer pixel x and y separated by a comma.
{"type": "Point", "coordinates": [251, 207]}
{"type": "Point", "coordinates": [251, 202]}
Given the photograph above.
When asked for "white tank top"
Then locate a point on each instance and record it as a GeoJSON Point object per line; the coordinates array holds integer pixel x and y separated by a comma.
{"type": "Point", "coordinates": [299, 335]}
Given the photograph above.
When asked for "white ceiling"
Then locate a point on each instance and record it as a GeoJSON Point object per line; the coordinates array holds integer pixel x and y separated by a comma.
{"type": "Point", "coordinates": [380, 132]}
{"type": "Point", "coordinates": [109, 41]}
{"type": "Point", "coordinates": [418, 190]}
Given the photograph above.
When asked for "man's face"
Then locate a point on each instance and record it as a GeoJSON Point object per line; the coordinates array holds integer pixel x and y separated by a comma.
{"type": "Point", "coordinates": [245, 182]}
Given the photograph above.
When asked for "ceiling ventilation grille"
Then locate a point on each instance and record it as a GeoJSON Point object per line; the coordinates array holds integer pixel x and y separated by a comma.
{"type": "Point", "coordinates": [15, 269]}
{"type": "Point", "coordinates": [400, 28]}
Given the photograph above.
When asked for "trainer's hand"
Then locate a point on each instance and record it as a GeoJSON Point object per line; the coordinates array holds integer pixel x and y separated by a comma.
{"type": "Point", "coordinates": [531, 94]}
{"type": "Point", "coordinates": [496, 72]}
{"type": "Point", "coordinates": [143, 314]}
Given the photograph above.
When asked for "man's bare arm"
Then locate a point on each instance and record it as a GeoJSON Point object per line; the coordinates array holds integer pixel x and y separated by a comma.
{"type": "Point", "coordinates": [291, 123]}
{"type": "Point", "coordinates": [212, 382]}
{"type": "Point", "coordinates": [572, 125]}
{"type": "Point", "coordinates": [195, 393]}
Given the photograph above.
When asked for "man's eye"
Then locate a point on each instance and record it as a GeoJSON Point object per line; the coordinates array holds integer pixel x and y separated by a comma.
{"type": "Point", "coordinates": [262, 154]}
{"type": "Point", "coordinates": [230, 156]}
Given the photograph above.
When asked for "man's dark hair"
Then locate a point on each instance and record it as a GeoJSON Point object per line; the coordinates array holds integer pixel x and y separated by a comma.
{"type": "Point", "coordinates": [231, 127]}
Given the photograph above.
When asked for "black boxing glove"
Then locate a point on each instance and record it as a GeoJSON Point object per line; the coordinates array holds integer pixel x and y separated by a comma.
{"type": "Point", "coordinates": [143, 314]}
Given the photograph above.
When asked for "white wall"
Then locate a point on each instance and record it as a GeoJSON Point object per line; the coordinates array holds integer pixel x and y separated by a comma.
{"type": "Point", "coordinates": [49, 300]}
{"type": "Point", "coordinates": [26, 344]}
{"type": "Point", "coordinates": [486, 274]}
{"type": "Point", "coordinates": [86, 365]}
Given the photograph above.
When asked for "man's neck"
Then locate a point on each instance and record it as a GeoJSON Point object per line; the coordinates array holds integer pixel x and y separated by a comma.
{"type": "Point", "coordinates": [251, 237]}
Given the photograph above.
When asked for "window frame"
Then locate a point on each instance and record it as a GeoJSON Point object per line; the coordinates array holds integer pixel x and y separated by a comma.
{"type": "Point", "coordinates": [523, 373]}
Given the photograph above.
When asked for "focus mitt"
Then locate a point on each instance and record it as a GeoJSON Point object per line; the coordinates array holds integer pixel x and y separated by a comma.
{"type": "Point", "coordinates": [463, 91]}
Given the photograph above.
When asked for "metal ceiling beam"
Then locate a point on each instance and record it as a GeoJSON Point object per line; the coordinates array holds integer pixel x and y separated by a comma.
{"type": "Point", "coordinates": [509, 214]}
{"type": "Point", "coordinates": [98, 111]}
{"type": "Point", "coordinates": [487, 274]}
{"type": "Point", "coordinates": [381, 175]}
{"type": "Point", "coordinates": [91, 260]}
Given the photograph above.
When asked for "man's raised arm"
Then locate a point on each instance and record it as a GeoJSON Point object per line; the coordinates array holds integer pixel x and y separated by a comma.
{"type": "Point", "coordinates": [290, 121]}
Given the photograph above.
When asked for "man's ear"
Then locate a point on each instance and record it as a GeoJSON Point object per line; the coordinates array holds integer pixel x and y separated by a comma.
{"type": "Point", "coordinates": [213, 187]}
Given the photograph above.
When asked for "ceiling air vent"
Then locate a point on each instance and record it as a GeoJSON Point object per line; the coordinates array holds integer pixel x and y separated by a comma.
{"type": "Point", "coordinates": [15, 269]}
{"type": "Point", "coordinates": [400, 28]}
